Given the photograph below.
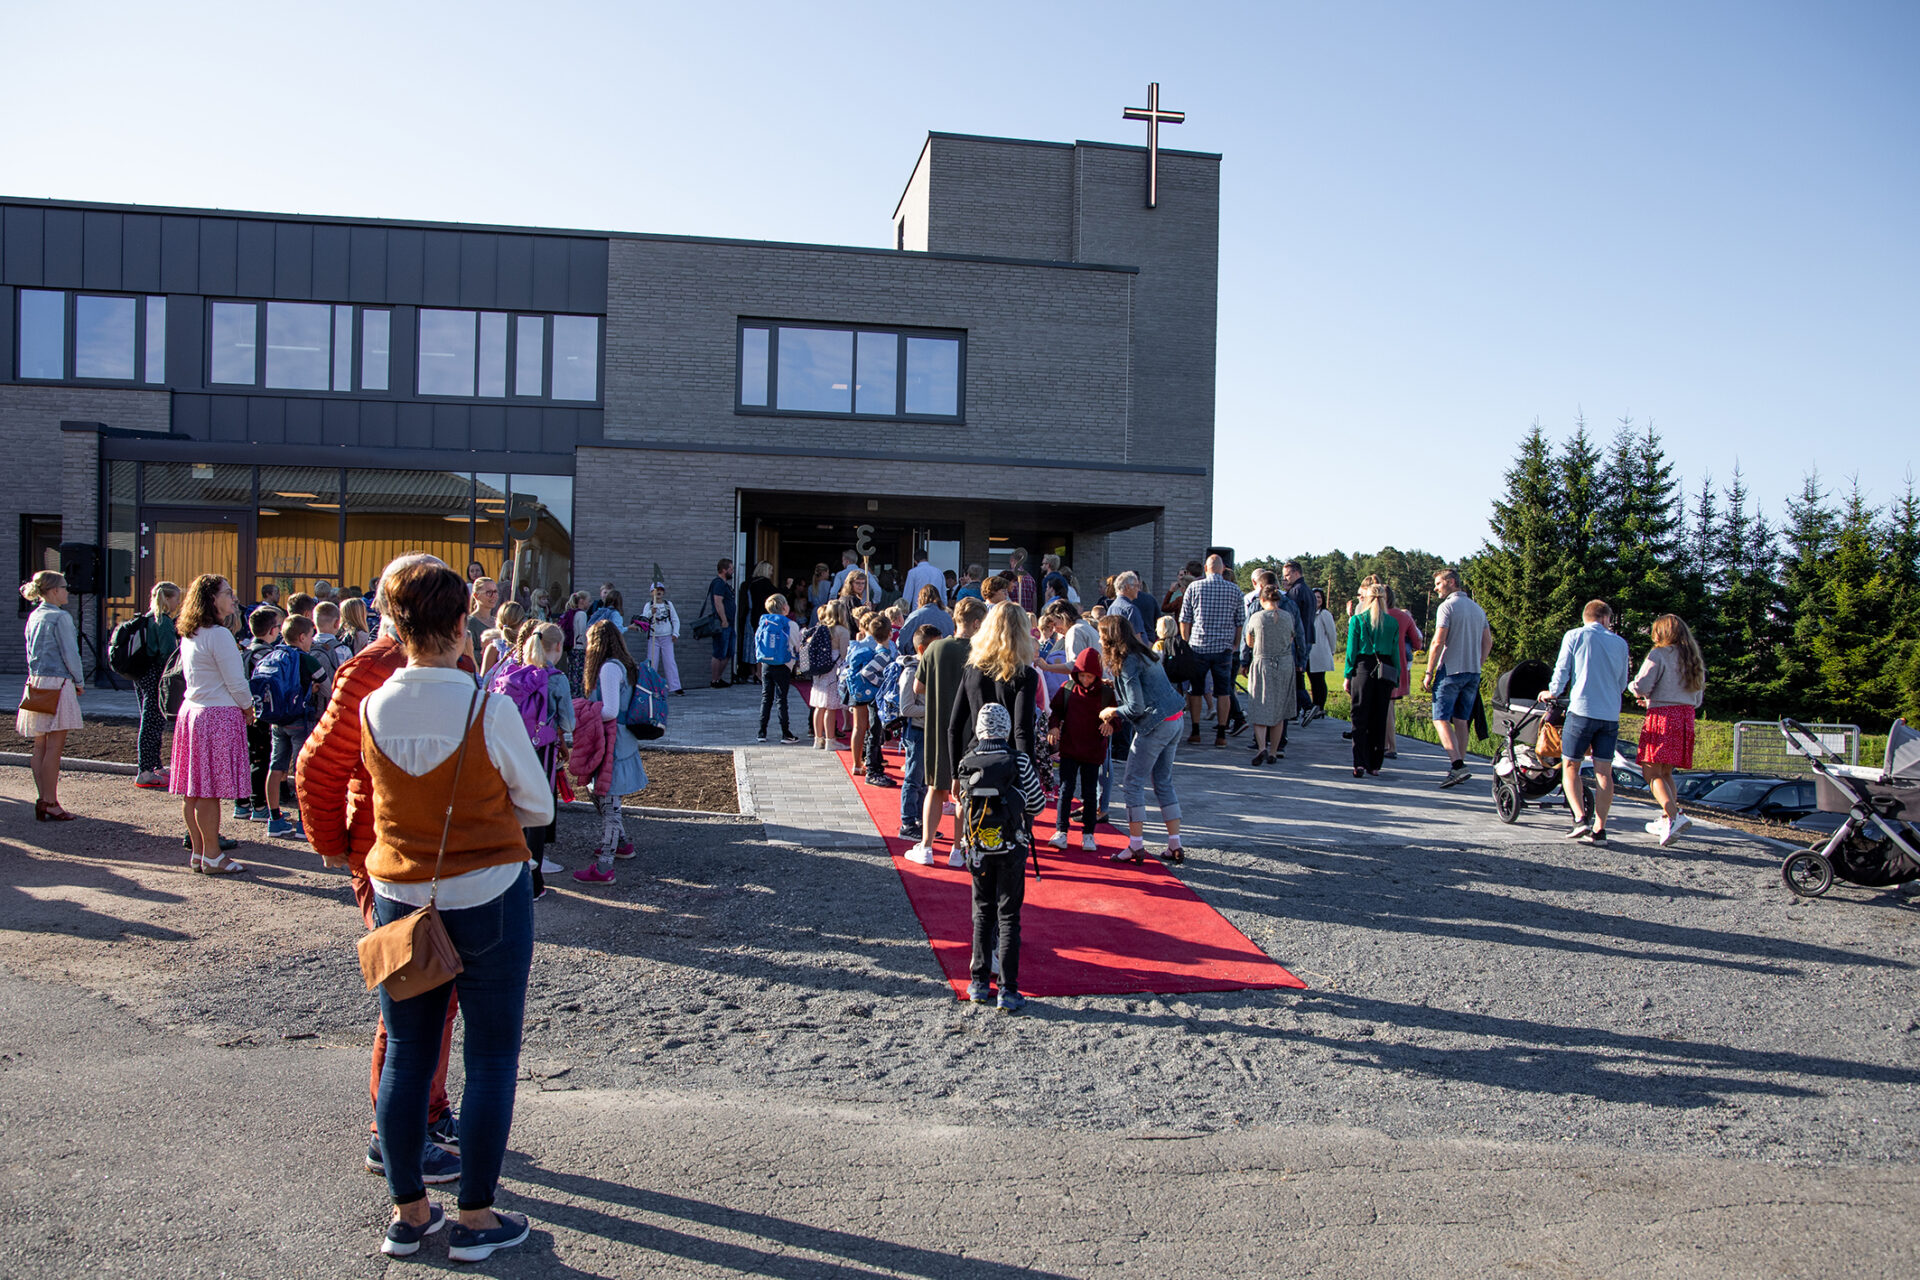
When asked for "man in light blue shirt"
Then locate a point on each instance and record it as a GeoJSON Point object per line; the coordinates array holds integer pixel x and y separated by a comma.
{"type": "Point", "coordinates": [1595, 662]}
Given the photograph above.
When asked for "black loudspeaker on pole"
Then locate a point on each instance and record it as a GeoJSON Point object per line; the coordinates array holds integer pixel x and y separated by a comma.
{"type": "Point", "coordinates": [80, 566]}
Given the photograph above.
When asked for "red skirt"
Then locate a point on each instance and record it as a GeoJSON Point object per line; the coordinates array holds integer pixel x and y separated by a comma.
{"type": "Point", "coordinates": [1667, 737]}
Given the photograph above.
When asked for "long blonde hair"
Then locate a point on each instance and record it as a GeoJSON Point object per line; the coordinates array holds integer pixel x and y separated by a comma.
{"type": "Point", "coordinates": [534, 639]}
{"type": "Point", "coordinates": [1374, 594]}
{"type": "Point", "coordinates": [164, 593]}
{"type": "Point", "coordinates": [1004, 646]}
{"type": "Point", "coordinates": [1671, 630]}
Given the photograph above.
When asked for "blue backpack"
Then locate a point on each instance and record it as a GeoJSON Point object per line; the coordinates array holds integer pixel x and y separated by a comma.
{"type": "Point", "coordinates": [773, 641]}
{"type": "Point", "coordinates": [865, 667]}
{"type": "Point", "coordinates": [279, 694]}
{"type": "Point", "coordinates": [888, 709]}
{"type": "Point", "coordinates": [646, 713]}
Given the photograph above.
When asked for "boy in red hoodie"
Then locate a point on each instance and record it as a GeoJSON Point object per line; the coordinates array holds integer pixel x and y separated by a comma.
{"type": "Point", "coordinates": [1079, 738]}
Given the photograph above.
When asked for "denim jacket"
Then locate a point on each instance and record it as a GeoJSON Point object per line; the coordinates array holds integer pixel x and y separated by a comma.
{"type": "Point", "coordinates": [53, 644]}
{"type": "Point", "coordinates": [1145, 693]}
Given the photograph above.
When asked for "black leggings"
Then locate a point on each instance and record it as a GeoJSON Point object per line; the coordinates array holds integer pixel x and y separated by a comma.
{"type": "Point", "coordinates": [1319, 681]}
{"type": "Point", "coordinates": [1077, 775]}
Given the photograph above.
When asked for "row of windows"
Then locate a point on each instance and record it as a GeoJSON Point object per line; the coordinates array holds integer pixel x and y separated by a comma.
{"type": "Point", "coordinates": [865, 373]}
{"type": "Point", "coordinates": [313, 346]}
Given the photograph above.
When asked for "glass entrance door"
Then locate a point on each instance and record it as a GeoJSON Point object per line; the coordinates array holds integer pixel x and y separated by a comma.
{"type": "Point", "coordinates": [179, 546]}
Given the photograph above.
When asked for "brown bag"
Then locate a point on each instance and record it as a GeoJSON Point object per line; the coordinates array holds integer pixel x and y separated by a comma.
{"type": "Point", "coordinates": [44, 701]}
{"type": "Point", "coordinates": [414, 954]}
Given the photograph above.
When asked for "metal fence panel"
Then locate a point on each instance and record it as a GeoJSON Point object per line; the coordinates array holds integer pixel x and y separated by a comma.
{"type": "Point", "coordinates": [1758, 746]}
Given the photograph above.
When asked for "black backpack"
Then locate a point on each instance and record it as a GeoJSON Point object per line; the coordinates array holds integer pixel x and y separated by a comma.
{"type": "Point", "coordinates": [1178, 661]}
{"type": "Point", "coordinates": [992, 813]}
{"type": "Point", "coordinates": [127, 648]}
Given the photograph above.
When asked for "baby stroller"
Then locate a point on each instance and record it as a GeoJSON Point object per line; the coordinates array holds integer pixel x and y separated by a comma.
{"type": "Point", "coordinates": [1525, 768]}
{"type": "Point", "coordinates": [1877, 845]}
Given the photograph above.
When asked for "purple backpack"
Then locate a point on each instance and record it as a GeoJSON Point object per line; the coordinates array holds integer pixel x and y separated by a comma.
{"type": "Point", "coordinates": [527, 687]}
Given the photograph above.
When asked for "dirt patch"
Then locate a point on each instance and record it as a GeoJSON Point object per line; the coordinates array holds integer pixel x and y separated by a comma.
{"type": "Point", "coordinates": [112, 740]}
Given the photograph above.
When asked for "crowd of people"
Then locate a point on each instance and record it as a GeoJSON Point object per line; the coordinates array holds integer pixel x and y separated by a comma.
{"type": "Point", "coordinates": [430, 731]}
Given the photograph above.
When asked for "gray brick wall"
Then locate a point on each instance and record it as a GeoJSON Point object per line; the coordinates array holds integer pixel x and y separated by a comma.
{"type": "Point", "coordinates": [994, 196]}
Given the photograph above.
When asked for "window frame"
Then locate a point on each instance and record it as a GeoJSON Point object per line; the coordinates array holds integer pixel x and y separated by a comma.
{"type": "Point", "coordinates": [900, 333]}
{"type": "Point", "coordinates": [353, 336]}
{"type": "Point", "coordinates": [69, 336]}
{"type": "Point", "coordinates": [513, 317]}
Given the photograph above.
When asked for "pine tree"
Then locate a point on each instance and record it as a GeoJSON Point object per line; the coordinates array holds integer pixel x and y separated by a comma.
{"type": "Point", "coordinates": [1742, 644]}
{"type": "Point", "coordinates": [1859, 673]}
{"type": "Point", "coordinates": [1518, 570]}
{"type": "Point", "coordinates": [1585, 572]}
{"type": "Point", "coordinates": [1642, 531]}
{"type": "Point", "coordinates": [1809, 543]}
{"type": "Point", "coordinates": [1902, 567]}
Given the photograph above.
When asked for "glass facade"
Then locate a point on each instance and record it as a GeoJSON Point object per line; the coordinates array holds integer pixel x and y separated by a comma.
{"type": "Point", "coordinates": [376, 336]}
{"type": "Point", "coordinates": [43, 334]}
{"type": "Point", "coordinates": [114, 337]}
{"type": "Point", "coordinates": [299, 345]}
{"type": "Point", "coordinates": [469, 353]}
{"type": "Point", "coordinates": [576, 358]}
{"type": "Point", "coordinates": [233, 342]}
{"type": "Point", "coordinates": [861, 373]}
{"type": "Point", "coordinates": [103, 337]}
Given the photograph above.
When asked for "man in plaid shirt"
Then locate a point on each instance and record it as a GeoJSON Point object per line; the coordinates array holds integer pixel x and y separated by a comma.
{"type": "Point", "coordinates": [1211, 615]}
{"type": "Point", "coordinates": [1021, 588]}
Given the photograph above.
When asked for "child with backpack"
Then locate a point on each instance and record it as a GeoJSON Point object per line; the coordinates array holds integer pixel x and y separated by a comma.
{"type": "Point", "coordinates": [866, 667]}
{"type": "Point", "coordinates": [263, 626]}
{"type": "Point", "coordinates": [776, 646]}
{"type": "Point", "coordinates": [538, 686]}
{"type": "Point", "coordinates": [912, 704]}
{"type": "Point", "coordinates": [611, 676]}
{"type": "Point", "coordinates": [1080, 737]}
{"type": "Point", "coordinates": [663, 628]}
{"type": "Point", "coordinates": [286, 683]}
{"type": "Point", "coordinates": [822, 646]}
{"type": "Point", "coordinates": [999, 793]}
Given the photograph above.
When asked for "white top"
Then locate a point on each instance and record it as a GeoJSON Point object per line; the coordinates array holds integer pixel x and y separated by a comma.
{"type": "Point", "coordinates": [662, 617]}
{"type": "Point", "coordinates": [1082, 635]}
{"type": "Point", "coordinates": [419, 718]}
{"type": "Point", "coordinates": [1320, 657]}
{"type": "Point", "coordinates": [611, 689]}
{"type": "Point", "coordinates": [216, 674]}
{"type": "Point", "coordinates": [924, 574]}
{"type": "Point", "coordinates": [580, 629]}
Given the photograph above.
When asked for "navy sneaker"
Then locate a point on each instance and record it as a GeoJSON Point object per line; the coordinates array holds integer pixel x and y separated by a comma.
{"type": "Point", "coordinates": [242, 810]}
{"type": "Point", "coordinates": [1012, 1001]}
{"type": "Point", "coordinates": [437, 1165]}
{"type": "Point", "coordinates": [445, 1132]}
{"type": "Point", "coordinates": [477, 1246]}
{"type": "Point", "coordinates": [979, 993]}
{"type": "Point", "coordinates": [403, 1241]}
{"type": "Point", "coordinates": [278, 825]}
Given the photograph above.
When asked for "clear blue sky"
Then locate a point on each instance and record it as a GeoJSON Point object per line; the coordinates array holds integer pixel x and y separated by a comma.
{"type": "Point", "coordinates": [1440, 221]}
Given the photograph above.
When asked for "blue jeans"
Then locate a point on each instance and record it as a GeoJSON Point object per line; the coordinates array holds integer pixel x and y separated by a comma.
{"type": "Point", "coordinates": [495, 942]}
{"type": "Point", "coordinates": [1152, 757]}
{"type": "Point", "coordinates": [1081, 778]}
{"type": "Point", "coordinates": [723, 642]}
{"type": "Point", "coordinates": [913, 785]}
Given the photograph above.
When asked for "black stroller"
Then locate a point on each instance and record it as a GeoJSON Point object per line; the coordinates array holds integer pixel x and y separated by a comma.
{"type": "Point", "coordinates": [1877, 845]}
{"type": "Point", "coordinates": [1522, 769]}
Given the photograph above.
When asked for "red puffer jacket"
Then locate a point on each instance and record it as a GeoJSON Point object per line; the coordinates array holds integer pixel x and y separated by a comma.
{"type": "Point", "coordinates": [592, 760]}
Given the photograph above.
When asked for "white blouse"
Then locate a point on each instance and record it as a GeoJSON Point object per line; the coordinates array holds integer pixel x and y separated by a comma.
{"type": "Point", "coordinates": [216, 673]}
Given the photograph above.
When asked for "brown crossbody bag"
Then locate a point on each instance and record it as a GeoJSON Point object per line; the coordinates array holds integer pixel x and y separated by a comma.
{"type": "Point", "coordinates": [44, 701]}
{"type": "Point", "coordinates": [414, 954]}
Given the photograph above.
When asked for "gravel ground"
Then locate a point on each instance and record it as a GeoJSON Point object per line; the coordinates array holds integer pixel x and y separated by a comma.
{"type": "Point", "coordinates": [1517, 988]}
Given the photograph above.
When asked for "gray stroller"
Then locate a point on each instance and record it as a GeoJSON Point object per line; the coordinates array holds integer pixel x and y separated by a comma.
{"type": "Point", "coordinates": [1877, 845]}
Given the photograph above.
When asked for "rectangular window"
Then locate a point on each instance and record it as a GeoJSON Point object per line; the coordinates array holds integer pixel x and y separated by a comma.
{"type": "Point", "coordinates": [446, 353]}
{"type": "Point", "coordinates": [343, 348]}
{"type": "Point", "coordinates": [375, 335]}
{"type": "Point", "coordinates": [156, 339]}
{"type": "Point", "coordinates": [299, 345]}
{"type": "Point", "coordinates": [529, 355]}
{"type": "Point", "coordinates": [233, 344]}
{"type": "Point", "coordinates": [43, 334]}
{"type": "Point", "coordinates": [576, 357]}
{"type": "Point", "coordinates": [103, 330]}
{"type": "Point", "coordinates": [753, 367]}
{"type": "Point", "coordinates": [493, 354]}
{"type": "Point", "coordinates": [869, 373]}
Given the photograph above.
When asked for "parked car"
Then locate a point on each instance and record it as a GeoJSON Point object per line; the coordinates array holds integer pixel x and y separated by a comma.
{"type": "Point", "coordinates": [1691, 786]}
{"type": "Point", "coordinates": [1626, 775]}
{"type": "Point", "coordinates": [1773, 799]}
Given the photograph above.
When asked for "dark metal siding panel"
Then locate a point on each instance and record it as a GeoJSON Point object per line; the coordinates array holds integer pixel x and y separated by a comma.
{"type": "Point", "coordinates": [100, 265]}
{"type": "Point", "coordinates": [589, 427]}
{"type": "Point", "coordinates": [219, 256]}
{"type": "Point", "coordinates": [330, 259]}
{"type": "Point", "coordinates": [442, 278]}
{"type": "Point", "coordinates": [413, 426]}
{"type": "Point", "coordinates": [25, 256]}
{"type": "Point", "coordinates": [65, 236]}
{"type": "Point", "coordinates": [367, 280]}
{"type": "Point", "coordinates": [193, 416]}
{"type": "Point", "coordinates": [256, 259]}
{"type": "Point", "coordinates": [292, 260]}
{"type": "Point", "coordinates": [487, 427]}
{"type": "Point", "coordinates": [228, 419]}
{"type": "Point", "coordinates": [556, 430]}
{"type": "Point", "coordinates": [587, 276]}
{"type": "Point", "coordinates": [340, 423]}
{"type": "Point", "coordinates": [186, 354]}
{"type": "Point", "coordinates": [406, 265]}
{"type": "Point", "coordinates": [513, 281]}
{"type": "Point", "coordinates": [140, 253]}
{"type": "Point", "coordinates": [477, 262]}
{"type": "Point", "coordinates": [266, 420]}
{"type": "Point", "coordinates": [549, 273]}
{"type": "Point", "coordinates": [403, 333]}
{"type": "Point", "coordinates": [449, 426]}
{"type": "Point", "coordinates": [179, 257]}
{"type": "Point", "coordinates": [303, 419]}
{"type": "Point", "coordinates": [377, 429]}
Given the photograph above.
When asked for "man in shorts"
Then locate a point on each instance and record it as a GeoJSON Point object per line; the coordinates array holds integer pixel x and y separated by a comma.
{"type": "Point", "coordinates": [1459, 648]}
{"type": "Point", "coordinates": [1212, 614]}
{"type": "Point", "coordinates": [720, 598]}
{"type": "Point", "coordinates": [1595, 663]}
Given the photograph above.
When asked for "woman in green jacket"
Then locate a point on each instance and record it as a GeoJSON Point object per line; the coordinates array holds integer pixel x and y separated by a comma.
{"type": "Point", "coordinates": [160, 642]}
{"type": "Point", "coordinates": [1373, 673]}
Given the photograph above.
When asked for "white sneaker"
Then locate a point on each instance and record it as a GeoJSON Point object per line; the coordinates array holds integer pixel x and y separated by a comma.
{"type": "Point", "coordinates": [958, 858]}
{"type": "Point", "coordinates": [1679, 824]}
{"type": "Point", "coordinates": [1087, 844]}
{"type": "Point", "coordinates": [1060, 839]}
{"type": "Point", "coordinates": [548, 867]}
{"type": "Point", "coordinates": [1658, 829]}
{"type": "Point", "coordinates": [921, 854]}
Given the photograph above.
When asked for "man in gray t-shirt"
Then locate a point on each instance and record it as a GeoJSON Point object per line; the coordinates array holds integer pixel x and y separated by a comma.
{"type": "Point", "coordinates": [1461, 641]}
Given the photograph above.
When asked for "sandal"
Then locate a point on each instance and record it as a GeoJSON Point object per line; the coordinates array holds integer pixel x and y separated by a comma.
{"type": "Point", "coordinates": [1127, 855]}
{"type": "Point", "coordinates": [221, 866]}
{"type": "Point", "coordinates": [193, 863]}
{"type": "Point", "coordinates": [1175, 854]}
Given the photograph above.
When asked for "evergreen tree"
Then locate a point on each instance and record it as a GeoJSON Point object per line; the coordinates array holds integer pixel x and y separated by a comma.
{"type": "Point", "coordinates": [1742, 645]}
{"type": "Point", "coordinates": [1520, 568]}
{"type": "Point", "coordinates": [1859, 669]}
{"type": "Point", "coordinates": [1642, 532]}
{"type": "Point", "coordinates": [1585, 572]}
{"type": "Point", "coordinates": [1809, 544]}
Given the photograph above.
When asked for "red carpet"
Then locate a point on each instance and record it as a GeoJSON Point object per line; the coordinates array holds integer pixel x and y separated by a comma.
{"type": "Point", "coordinates": [1089, 926]}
